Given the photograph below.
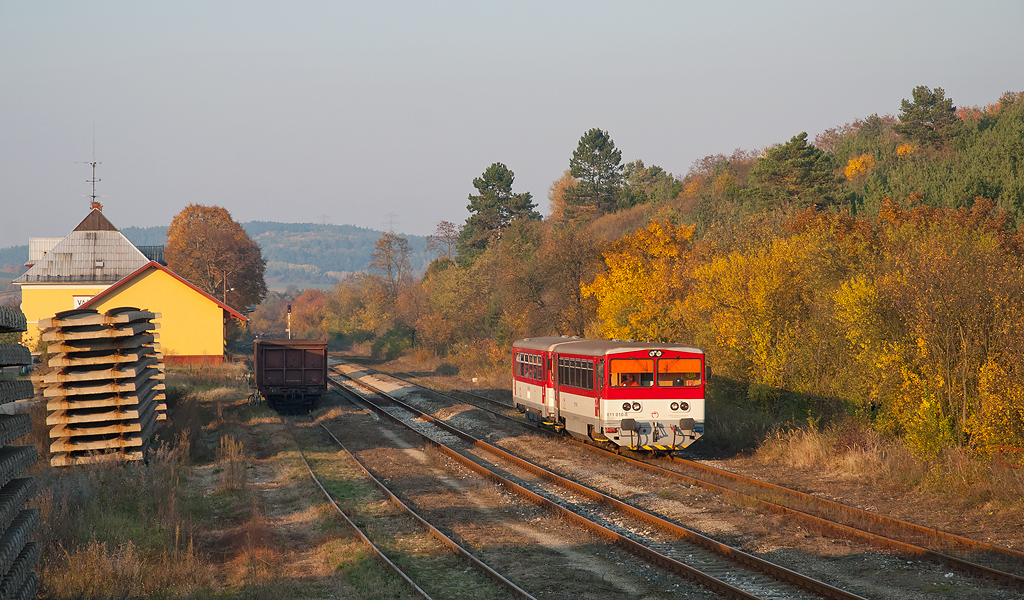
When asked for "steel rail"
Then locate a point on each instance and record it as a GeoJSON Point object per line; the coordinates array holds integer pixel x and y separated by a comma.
{"type": "Point", "coordinates": [373, 548]}
{"type": "Point", "coordinates": [451, 544]}
{"type": "Point", "coordinates": [775, 571]}
{"type": "Point", "coordinates": [824, 525]}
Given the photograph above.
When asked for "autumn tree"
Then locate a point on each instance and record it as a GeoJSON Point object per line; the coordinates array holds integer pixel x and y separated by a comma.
{"type": "Point", "coordinates": [520, 283]}
{"type": "Point", "coordinates": [308, 312]}
{"type": "Point", "coordinates": [492, 209]}
{"type": "Point", "coordinates": [929, 119]}
{"type": "Point", "coordinates": [391, 258]}
{"type": "Point", "coordinates": [208, 248]}
{"type": "Point", "coordinates": [597, 167]}
{"type": "Point", "coordinates": [567, 258]}
{"type": "Point", "coordinates": [647, 275]}
{"type": "Point", "coordinates": [794, 174]}
{"type": "Point", "coordinates": [353, 312]}
{"type": "Point", "coordinates": [445, 240]}
{"type": "Point", "coordinates": [560, 195]}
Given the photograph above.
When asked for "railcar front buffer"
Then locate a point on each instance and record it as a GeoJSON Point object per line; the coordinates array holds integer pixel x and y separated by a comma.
{"type": "Point", "coordinates": [685, 428]}
{"type": "Point", "coordinates": [628, 425]}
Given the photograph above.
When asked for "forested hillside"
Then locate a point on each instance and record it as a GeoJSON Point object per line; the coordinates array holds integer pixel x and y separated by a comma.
{"type": "Point", "coordinates": [304, 252]}
{"type": "Point", "coordinates": [12, 260]}
{"type": "Point", "coordinates": [874, 273]}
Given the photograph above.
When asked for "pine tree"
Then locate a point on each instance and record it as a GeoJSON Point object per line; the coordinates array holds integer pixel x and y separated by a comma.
{"type": "Point", "coordinates": [493, 209]}
{"type": "Point", "coordinates": [930, 120]}
{"type": "Point", "coordinates": [795, 174]}
{"type": "Point", "coordinates": [597, 167]}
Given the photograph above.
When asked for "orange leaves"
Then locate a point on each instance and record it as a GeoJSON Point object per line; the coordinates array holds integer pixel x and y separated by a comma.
{"type": "Point", "coordinates": [859, 165]}
{"type": "Point", "coordinates": [904, 150]}
{"type": "Point", "coordinates": [207, 247]}
{"type": "Point", "coordinates": [308, 311]}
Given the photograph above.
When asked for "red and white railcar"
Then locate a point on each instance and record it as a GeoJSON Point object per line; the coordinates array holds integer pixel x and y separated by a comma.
{"type": "Point", "coordinates": [635, 395]}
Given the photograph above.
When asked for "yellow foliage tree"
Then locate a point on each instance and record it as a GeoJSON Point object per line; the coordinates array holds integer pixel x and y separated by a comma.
{"type": "Point", "coordinates": [646, 276]}
{"type": "Point", "coordinates": [859, 165]}
{"type": "Point", "coordinates": [754, 301]}
{"type": "Point", "coordinates": [905, 150]}
{"type": "Point", "coordinates": [999, 420]}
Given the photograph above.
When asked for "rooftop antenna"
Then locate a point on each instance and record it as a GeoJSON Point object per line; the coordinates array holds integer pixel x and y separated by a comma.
{"type": "Point", "coordinates": [93, 180]}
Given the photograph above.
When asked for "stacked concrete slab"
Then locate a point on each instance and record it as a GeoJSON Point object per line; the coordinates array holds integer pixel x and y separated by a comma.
{"type": "Point", "coordinates": [105, 392]}
{"type": "Point", "coordinates": [18, 555]}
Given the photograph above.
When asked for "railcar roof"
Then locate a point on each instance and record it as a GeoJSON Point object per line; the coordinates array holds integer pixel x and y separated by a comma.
{"type": "Point", "coordinates": [294, 343]}
{"type": "Point", "coordinates": [573, 345]}
{"type": "Point", "coordinates": [544, 343]}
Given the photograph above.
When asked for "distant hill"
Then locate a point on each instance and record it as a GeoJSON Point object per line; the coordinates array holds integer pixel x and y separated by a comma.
{"type": "Point", "coordinates": [12, 260]}
{"type": "Point", "coordinates": [299, 253]}
{"type": "Point", "coordinates": [305, 252]}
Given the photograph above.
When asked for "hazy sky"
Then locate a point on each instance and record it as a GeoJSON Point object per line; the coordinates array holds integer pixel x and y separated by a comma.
{"type": "Point", "coordinates": [380, 113]}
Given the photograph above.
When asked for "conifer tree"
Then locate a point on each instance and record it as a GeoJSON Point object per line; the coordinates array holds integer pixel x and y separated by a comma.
{"type": "Point", "coordinates": [930, 119]}
{"type": "Point", "coordinates": [795, 174]}
{"type": "Point", "coordinates": [493, 209]}
{"type": "Point", "coordinates": [597, 167]}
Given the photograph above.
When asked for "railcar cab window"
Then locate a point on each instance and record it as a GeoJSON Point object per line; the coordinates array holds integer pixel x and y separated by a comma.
{"type": "Point", "coordinates": [679, 372]}
{"type": "Point", "coordinates": [576, 372]}
{"type": "Point", "coordinates": [528, 365]}
{"type": "Point", "coordinates": [627, 372]}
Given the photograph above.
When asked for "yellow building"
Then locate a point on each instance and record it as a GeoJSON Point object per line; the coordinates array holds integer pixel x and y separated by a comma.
{"type": "Point", "coordinates": [191, 321]}
{"type": "Point", "coordinates": [96, 266]}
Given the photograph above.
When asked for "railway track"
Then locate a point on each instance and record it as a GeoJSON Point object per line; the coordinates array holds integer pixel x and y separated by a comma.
{"type": "Point", "coordinates": [970, 557]}
{"type": "Point", "coordinates": [660, 542]}
{"type": "Point", "coordinates": [451, 572]}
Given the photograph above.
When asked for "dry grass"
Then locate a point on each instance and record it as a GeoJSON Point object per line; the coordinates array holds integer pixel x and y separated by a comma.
{"type": "Point", "coordinates": [799, 448]}
{"type": "Point", "coordinates": [99, 570]}
{"type": "Point", "coordinates": [231, 458]}
{"type": "Point", "coordinates": [119, 530]}
{"type": "Point", "coordinates": [859, 451]}
{"type": "Point", "coordinates": [132, 530]}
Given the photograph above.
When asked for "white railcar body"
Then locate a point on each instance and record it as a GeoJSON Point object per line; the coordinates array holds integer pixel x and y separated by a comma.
{"type": "Point", "coordinates": [636, 395]}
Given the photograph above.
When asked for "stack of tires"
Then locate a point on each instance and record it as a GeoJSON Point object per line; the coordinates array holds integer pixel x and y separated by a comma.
{"type": "Point", "coordinates": [18, 556]}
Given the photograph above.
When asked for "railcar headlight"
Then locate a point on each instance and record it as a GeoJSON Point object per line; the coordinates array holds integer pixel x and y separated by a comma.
{"type": "Point", "coordinates": [674, 406]}
{"type": "Point", "coordinates": [636, 406]}
{"type": "Point", "coordinates": [625, 406]}
{"type": "Point", "coordinates": [685, 406]}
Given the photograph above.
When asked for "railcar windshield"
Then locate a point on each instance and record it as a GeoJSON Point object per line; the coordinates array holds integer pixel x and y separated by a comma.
{"type": "Point", "coordinates": [667, 372]}
{"type": "Point", "coordinates": [678, 372]}
{"type": "Point", "coordinates": [626, 372]}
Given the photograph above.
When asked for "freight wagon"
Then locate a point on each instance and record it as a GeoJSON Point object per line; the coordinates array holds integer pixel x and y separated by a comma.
{"type": "Point", "coordinates": [291, 375]}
